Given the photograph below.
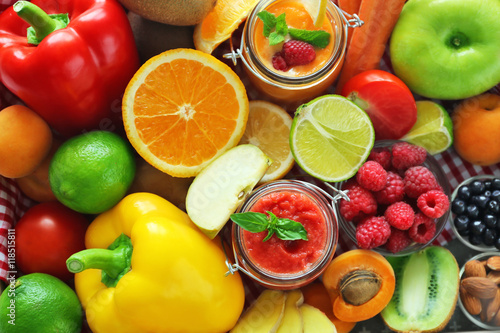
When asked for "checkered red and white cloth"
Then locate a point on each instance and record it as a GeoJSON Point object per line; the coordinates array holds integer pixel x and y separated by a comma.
{"type": "Point", "coordinates": [13, 204]}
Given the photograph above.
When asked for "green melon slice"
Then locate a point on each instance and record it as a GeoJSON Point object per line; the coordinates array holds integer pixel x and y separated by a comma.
{"type": "Point", "coordinates": [426, 291]}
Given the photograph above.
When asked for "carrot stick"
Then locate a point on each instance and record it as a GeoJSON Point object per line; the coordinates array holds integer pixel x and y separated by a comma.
{"type": "Point", "coordinates": [369, 41]}
{"type": "Point", "coordinates": [350, 7]}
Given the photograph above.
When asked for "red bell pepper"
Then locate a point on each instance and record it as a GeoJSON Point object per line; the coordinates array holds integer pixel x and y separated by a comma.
{"type": "Point", "coordinates": [76, 75]}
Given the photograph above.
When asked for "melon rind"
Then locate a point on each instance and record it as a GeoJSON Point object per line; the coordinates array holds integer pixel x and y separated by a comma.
{"type": "Point", "coordinates": [426, 291]}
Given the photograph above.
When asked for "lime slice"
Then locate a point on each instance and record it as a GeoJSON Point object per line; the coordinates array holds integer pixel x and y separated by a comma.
{"type": "Point", "coordinates": [331, 137]}
{"type": "Point", "coordinates": [433, 129]}
{"type": "Point", "coordinates": [317, 10]}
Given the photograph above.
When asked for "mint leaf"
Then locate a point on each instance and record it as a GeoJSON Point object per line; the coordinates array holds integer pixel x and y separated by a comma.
{"type": "Point", "coordinates": [251, 221]}
{"type": "Point", "coordinates": [269, 21]}
{"type": "Point", "coordinates": [319, 38]}
{"type": "Point", "coordinates": [275, 38]}
{"type": "Point", "coordinates": [285, 229]}
{"type": "Point", "coordinates": [281, 27]}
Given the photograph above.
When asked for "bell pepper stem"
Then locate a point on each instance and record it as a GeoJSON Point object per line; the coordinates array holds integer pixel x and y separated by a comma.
{"type": "Point", "coordinates": [114, 262]}
{"type": "Point", "coordinates": [110, 261]}
{"type": "Point", "coordinates": [42, 23]}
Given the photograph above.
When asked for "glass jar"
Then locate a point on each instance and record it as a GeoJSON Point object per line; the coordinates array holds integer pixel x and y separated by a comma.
{"type": "Point", "coordinates": [288, 89]}
{"type": "Point", "coordinates": [320, 246]}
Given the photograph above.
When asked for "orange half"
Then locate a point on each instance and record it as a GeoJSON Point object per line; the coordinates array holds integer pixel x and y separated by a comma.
{"type": "Point", "coordinates": [182, 109]}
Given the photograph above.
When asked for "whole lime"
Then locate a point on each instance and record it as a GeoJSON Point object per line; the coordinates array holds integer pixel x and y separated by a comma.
{"type": "Point", "coordinates": [92, 172]}
{"type": "Point", "coordinates": [40, 303]}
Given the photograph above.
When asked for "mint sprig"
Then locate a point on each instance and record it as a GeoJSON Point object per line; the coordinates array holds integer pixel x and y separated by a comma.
{"type": "Point", "coordinates": [284, 229]}
{"type": "Point", "coordinates": [276, 29]}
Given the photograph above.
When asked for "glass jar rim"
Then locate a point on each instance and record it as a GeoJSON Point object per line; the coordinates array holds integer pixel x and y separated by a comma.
{"type": "Point", "coordinates": [340, 29]}
{"type": "Point", "coordinates": [277, 279]}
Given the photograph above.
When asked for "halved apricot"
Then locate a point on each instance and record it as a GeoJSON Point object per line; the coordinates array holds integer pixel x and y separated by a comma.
{"type": "Point", "coordinates": [360, 284]}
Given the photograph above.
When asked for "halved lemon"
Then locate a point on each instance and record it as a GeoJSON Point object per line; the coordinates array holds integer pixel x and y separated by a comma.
{"type": "Point", "coordinates": [268, 127]}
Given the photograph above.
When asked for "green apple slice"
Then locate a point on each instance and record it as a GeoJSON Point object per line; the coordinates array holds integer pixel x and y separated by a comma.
{"type": "Point", "coordinates": [331, 137]}
{"type": "Point", "coordinates": [433, 129]}
{"type": "Point", "coordinates": [218, 190]}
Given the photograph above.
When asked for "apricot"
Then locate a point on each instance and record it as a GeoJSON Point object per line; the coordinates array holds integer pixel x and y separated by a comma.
{"type": "Point", "coordinates": [360, 284]}
{"type": "Point", "coordinates": [315, 294]}
{"type": "Point", "coordinates": [36, 185]}
{"type": "Point", "coordinates": [476, 124]}
{"type": "Point", "coordinates": [25, 140]}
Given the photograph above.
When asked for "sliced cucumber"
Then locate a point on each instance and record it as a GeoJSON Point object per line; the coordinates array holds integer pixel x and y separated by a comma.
{"type": "Point", "coordinates": [426, 291]}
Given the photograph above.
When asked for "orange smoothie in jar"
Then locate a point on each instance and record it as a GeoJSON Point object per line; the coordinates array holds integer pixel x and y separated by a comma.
{"type": "Point", "coordinates": [296, 84]}
{"type": "Point", "coordinates": [296, 17]}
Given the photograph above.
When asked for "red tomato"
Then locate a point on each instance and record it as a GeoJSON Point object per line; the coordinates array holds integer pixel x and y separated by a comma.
{"type": "Point", "coordinates": [387, 100]}
{"type": "Point", "coordinates": [46, 235]}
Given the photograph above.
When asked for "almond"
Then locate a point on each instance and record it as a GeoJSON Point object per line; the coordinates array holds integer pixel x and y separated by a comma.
{"type": "Point", "coordinates": [474, 268]}
{"type": "Point", "coordinates": [496, 320]}
{"type": "Point", "coordinates": [493, 306]}
{"type": "Point", "coordinates": [471, 304]}
{"type": "Point", "coordinates": [480, 287]}
{"type": "Point", "coordinates": [494, 276]}
{"type": "Point", "coordinates": [493, 263]}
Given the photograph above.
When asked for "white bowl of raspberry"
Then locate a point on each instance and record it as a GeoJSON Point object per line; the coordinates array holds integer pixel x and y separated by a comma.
{"type": "Point", "coordinates": [399, 200]}
{"type": "Point", "coordinates": [475, 212]}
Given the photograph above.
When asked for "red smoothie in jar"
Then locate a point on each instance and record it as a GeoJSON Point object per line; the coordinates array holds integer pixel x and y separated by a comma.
{"type": "Point", "coordinates": [283, 256]}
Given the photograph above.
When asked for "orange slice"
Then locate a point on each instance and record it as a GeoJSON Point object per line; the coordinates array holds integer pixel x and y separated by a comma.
{"type": "Point", "coordinates": [220, 23]}
{"type": "Point", "coordinates": [182, 109]}
{"type": "Point", "coordinates": [268, 127]}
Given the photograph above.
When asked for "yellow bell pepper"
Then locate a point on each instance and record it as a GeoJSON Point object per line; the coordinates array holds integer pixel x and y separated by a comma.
{"type": "Point", "coordinates": [147, 268]}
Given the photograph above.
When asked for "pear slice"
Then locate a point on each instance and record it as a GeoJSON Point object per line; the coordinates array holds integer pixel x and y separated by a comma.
{"type": "Point", "coordinates": [264, 315]}
{"type": "Point", "coordinates": [292, 318]}
{"type": "Point", "coordinates": [315, 320]}
{"type": "Point", "coordinates": [218, 190]}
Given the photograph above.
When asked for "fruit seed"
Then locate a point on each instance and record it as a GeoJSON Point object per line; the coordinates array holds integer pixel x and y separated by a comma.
{"type": "Point", "coordinates": [494, 276]}
{"type": "Point", "coordinates": [493, 263]}
{"type": "Point", "coordinates": [493, 306]}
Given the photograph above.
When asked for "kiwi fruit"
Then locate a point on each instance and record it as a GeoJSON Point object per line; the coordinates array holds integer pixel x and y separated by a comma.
{"type": "Point", "coordinates": [426, 292]}
{"type": "Point", "coordinates": [174, 12]}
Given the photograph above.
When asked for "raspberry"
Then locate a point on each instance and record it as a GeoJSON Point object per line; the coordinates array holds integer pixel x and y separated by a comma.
{"type": "Point", "coordinates": [418, 180]}
{"type": "Point", "coordinates": [423, 229]}
{"type": "Point", "coordinates": [382, 156]}
{"type": "Point", "coordinates": [393, 190]}
{"type": "Point", "coordinates": [406, 155]}
{"type": "Point", "coordinates": [296, 52]}
{"type": "Point", "coordinates": [372, 232]}
{"type": "Point", "coordinates": [400, 215]}
{"type": "Point", "coordinates": [279, 62]}
{"type": "Point", "coordinates": [372, 176]}
{"type": "Point", "coordinates": [361, 204]}
{"type": "Point", "coordinates": [433, 203]}
{"type": "Point", "coordinates": [398, 240]}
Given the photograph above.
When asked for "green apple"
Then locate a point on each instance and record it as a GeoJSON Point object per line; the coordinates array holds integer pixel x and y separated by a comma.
{"type": "Point", "coordinates": [218, 190]}
{"type": "Point", "coordinates": [447, 49]}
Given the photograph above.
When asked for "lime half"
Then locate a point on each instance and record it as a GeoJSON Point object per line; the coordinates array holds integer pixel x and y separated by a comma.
{"type": "Point", "coordinates": [433, 129]}
{"type": "Point", "coordinates": [331, 137]}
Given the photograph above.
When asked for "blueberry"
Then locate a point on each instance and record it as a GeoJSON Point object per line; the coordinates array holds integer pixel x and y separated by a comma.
{"type": "Point", "coordinates": [480, 201]}
{"type": "Point", "coordinates": [458, 206]}
{"type": "Point", "coordinates": [477, 227]}
{"type": "Point", "coordinates": [487, 184]}
{"type": "Point", "coordinates": [495, 184]}
{"type": "Point", "coordinates": [489, 237]}
{"type": "Point", "coordinates": [476, 187]}
{"type": "Point", "coordinates": [497, 243]}
{"type": "Point", "coordinates": [493, 207]}
{"type": "Point", "coordinates": [472, 211]}
{"type": "Point", "coordinates": [495, 195]}
{"type": "Point", "coordinates": [487, 193]}
{"type": "Point", "coordinates": [462, 222]}
{"type": "Point", "coordinates": [490, 221]}
{"type": "Point", "coordinates": [475, 239]}
{"type": "Point", "coordinates": [463, 192]}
